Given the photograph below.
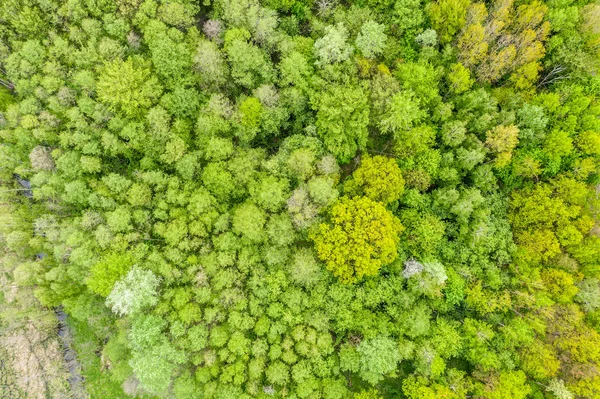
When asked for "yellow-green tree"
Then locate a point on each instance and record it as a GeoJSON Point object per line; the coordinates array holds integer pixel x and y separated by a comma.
{"type": "Point", "coordinates": [360, 237]}
{"type": "Point", "coordinates": [505, 40]}
{"type": "Point", "coordinates": [502, 140]}
{"type": "Point", "coordinates": [548, 217]}
{"type": "Point", "coordinates": [370, 394]}
{"type": "Point", "coordinates": [378, 178]}
{"type": "Point", "coordinates": [448, 17]}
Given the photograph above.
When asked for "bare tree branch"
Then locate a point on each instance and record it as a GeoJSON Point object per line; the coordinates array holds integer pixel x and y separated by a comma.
{"type": "Point", "coordinates": [553, 76]}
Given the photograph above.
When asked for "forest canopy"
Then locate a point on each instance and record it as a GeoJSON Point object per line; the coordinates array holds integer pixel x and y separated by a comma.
{"type": "Point", "coordinates": [300, 199]}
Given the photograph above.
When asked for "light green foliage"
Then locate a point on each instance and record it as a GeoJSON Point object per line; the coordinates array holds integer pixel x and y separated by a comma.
{"type": "Point", "coordinates": [349, 358]}
{"type": "Point", "coordinates": [300, 207]}
{"type": "Point", "coordinates": [171, 57]}
{"type": "Point", "coordinates": [295, 70]}
{"type": "Point", "coordinates": [105, 273]}
{"type": "Point", "coordinates": [370, 394]}
{"type": "Point", "coordinates": [378, 357]}
{"type": "Point", "coordinates": [139, 195]}
{"type": "Point", "coordinates": [322, 190]}
{"type": "Point", "coordinates": [371, 39]}
{"type": "Point", "coordinates": [427, 38]}
{"type": "Point", "coordinates": [420, 78]}
{"type": "Point", "coordinates": [304, 268]}
{"type": "Point", "coordinates": [425, 234]}
{"type": "Point", "coordinates": [128, 86]}
{"type": "Point", "coordinates": [146, 332]}
{"type": "Point", "coordinates": [408, 15]}
{"type": "Point", "coordinates": [540, 361]}
{"type": "Point", "coordinates": [249, 222]}
{"type": "Point", "coordinates": [250, 114]}
{"type": "Point", "coordinates": [119, 220]}
{"type": "Point", "coordinates": [154, 367]}
{"type": "Point", "coordinates": [271, 193]}
{"type": "Point", "coordinates": [280, 229]}
{"type": "Point", "coordinates": [368, 232]}
{"type": "Point", "coordinates": [478, 337]}
{"type": "Point", "coordinates": [558, 144]}
{"type": "Point", "coordinates": [502, 140]}
{"type": "Point", "coordinates": [277, 373]}
{"type": "Point", "coordinates": [250, 110]}
{"type": "Point", "coordinates": [301, 163]}
{"type": "Point", "coordinates": [177, 14]}
{"type": "Point", "coordinates": [342, 119]}
{"type": "Point", "coordinates": [249, 65]}
{"type": "Point", "coordinates": [218, 180]}
{"type": "Point", "coordinates": [453, 133]}
{"type": "Point", "coordinates": [589, 294]}
{"type": "Point", "coordinates": [76, 192]}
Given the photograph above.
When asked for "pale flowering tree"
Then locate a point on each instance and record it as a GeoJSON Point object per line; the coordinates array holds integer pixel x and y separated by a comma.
{"type": "Point", "coordinates": [333, 47]}
{"type": "Point", "coordinates": [559, 390]}
{"type": "Point", "coordinates": [371, 39]}
{"type": "Point", "coordinates": [136, 291]}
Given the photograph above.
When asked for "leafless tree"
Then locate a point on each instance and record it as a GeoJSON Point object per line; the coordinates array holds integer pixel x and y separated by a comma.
{"type": "Point", "coordinates": [555, 75]}
{"type": "Point", "coordinates": [324, 7]}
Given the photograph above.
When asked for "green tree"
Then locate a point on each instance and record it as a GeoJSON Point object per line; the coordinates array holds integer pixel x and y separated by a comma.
{"type": "Point", "coordinates": [277, 373]}
{"type": "Point", "coordinates": [502, 140]}
{"type": "Point", "coordinates": [548, 216]}
{"type": "Point", "coordinates": [249, 65]}
{"type": "Point", "coordinates": [155, 366]}
{"type": "Point", "coordinates": [270, 193]}
{"type": "Point", "coordinates": [589, 294]}
{"type": "Point", "coordinates": [371, 39]}
{"type": "Point", "coordinates": [408, 15]}
{"type": "Point", "coordinates": [249, 221]}
{"type": "Point", "coordinates": [378, 357]}
{"type": "Point", "coordinates": [459, 78]}
{"type": "Point", "coordinates": [304, 268]}
{"type": "Point", "coordinates": [342, 120]}
{"type": "Point", "coordinates": [402, 114]}
{"type": "Point", "coordinates": [370, 394]}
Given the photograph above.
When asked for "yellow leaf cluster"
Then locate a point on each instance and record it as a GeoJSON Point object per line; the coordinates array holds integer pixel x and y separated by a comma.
{"type": "Point", "coordinates": [502, 140]}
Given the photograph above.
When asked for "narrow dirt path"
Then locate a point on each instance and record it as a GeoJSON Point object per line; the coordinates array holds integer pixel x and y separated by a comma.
{"type": "Point", "coordinates": [75, 378]}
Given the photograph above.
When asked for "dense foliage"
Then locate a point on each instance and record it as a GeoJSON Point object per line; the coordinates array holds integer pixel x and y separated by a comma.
{"type": "Point", "coordinates": [302, 198]}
